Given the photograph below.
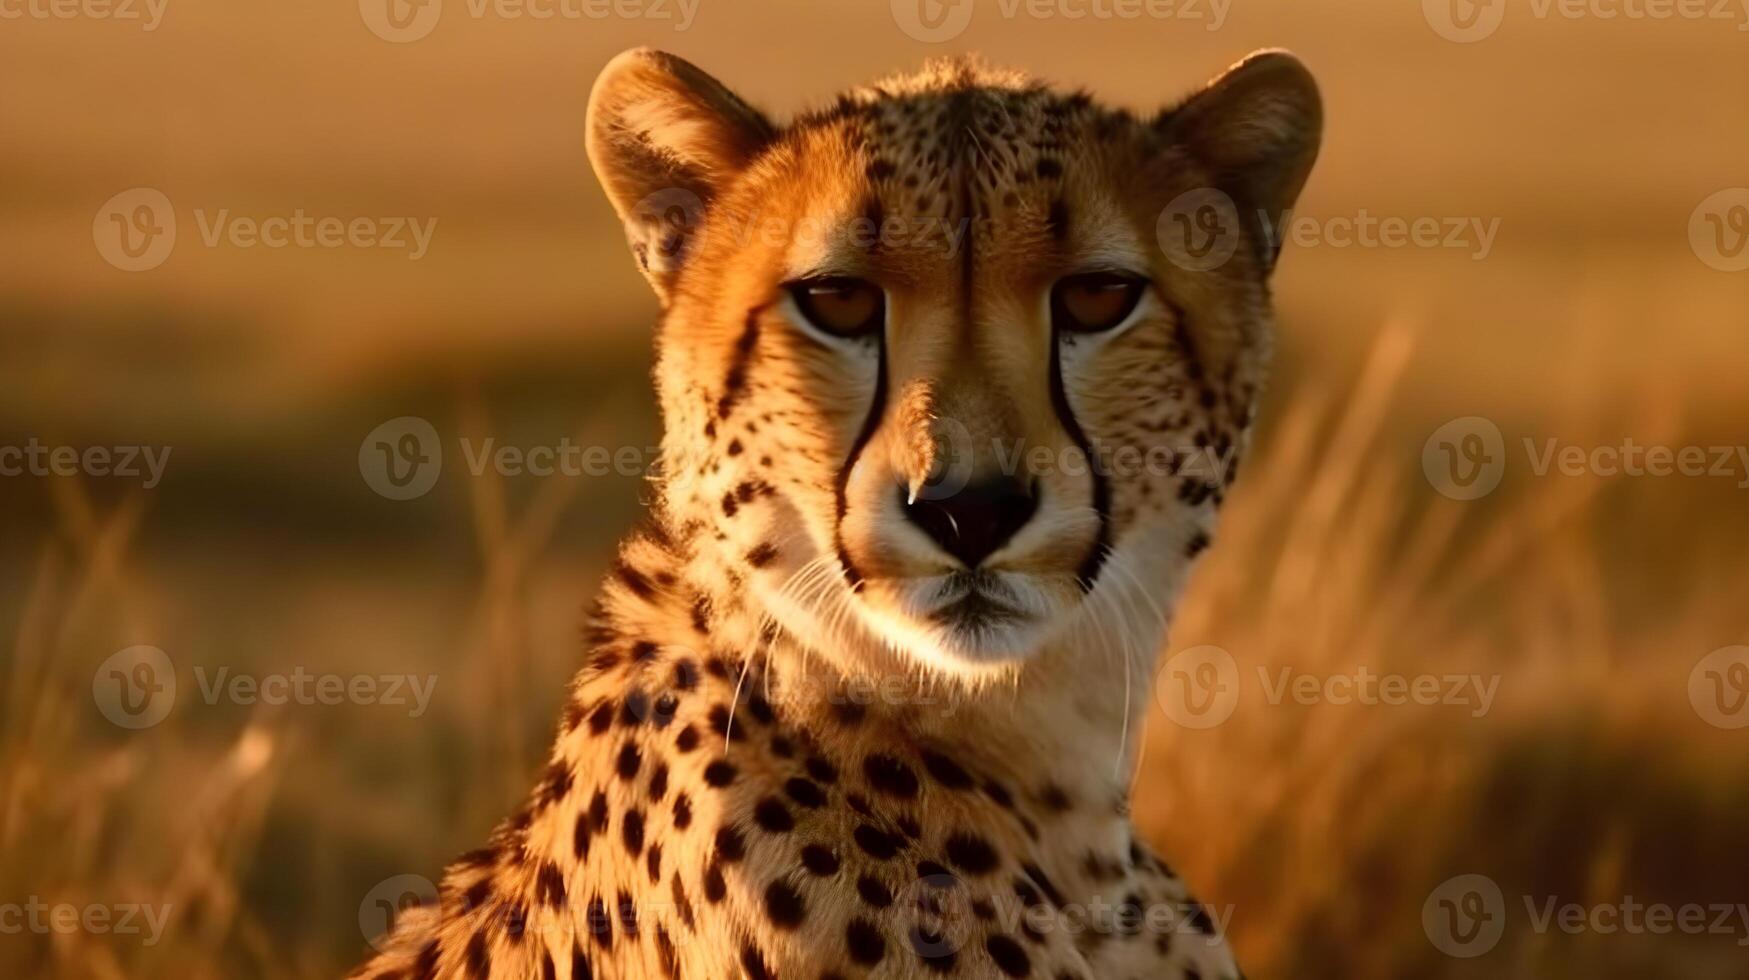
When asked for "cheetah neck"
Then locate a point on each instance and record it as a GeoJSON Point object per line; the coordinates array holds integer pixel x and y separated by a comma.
{"type": "Point", "coordinates": [1069, 723]}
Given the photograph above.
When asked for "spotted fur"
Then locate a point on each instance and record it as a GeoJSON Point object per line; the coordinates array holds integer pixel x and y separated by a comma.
{"type": "Point", "coordinates": [799, 747]}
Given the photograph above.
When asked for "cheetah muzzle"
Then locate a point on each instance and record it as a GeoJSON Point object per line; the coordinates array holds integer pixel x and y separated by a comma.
{"type": "Point", "coordinates": [860, 700]}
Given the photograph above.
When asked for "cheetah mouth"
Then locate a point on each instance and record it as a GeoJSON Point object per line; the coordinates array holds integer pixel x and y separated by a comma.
{"type": "Point", "coordinates": [975, 600]}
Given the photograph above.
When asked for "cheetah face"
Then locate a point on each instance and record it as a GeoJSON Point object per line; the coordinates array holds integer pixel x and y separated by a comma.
{"type": "Point", "coordinates": [935, 376]}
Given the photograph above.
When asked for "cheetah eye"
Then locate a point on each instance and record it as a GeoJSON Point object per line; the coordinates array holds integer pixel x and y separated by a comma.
{"type": "Point", "coordinates": [840, 305]}
{"type": "Point", "coordinates": [1094, 301]}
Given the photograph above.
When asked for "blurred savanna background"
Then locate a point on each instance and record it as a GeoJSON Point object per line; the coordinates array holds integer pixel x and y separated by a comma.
{"type": "Point", "coordinates": [1592, 161]}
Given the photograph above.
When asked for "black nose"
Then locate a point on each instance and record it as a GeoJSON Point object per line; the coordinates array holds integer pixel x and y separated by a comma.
{"type": "Point", "coordinates": [977, 520]}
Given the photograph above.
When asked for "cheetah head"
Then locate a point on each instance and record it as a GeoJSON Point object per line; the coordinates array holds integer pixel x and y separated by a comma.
{"type": "Point", "coordinates": [960, 361]}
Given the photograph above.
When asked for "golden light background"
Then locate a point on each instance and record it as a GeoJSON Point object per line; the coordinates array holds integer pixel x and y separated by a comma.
{"type": "Point", "coordinates": [1588, 143]}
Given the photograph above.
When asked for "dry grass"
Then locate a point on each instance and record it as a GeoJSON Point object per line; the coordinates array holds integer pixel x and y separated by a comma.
{"type": "Point", "coordinates": [1323, 828]}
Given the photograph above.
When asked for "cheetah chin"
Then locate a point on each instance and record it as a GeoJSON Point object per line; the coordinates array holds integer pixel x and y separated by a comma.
{"type": "Point", "coordinates": [955, 374]}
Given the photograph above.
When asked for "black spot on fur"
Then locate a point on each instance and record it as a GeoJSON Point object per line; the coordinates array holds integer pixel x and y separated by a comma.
{"type": "Point", "coordinates": [1009, 957]}
{"type": "Point", "coordinates": [819, 860]}
{"type": "Point", "coordinates": [632, 832]}
{"type": "Point", "coordinates": [784, 906]}
{"type": "Point", "coordinates": [805, 792]}
{"type": "Point", "coordinates": [629, 761]}
{"type": "Point", "coordinates": [873, 892]}
{"type": "Point", "coordinates": [864, 940]}
{"type": "Point", "coordinates": [888, 775]}
{"type": "Point", "coordinates": [876, 843]}
{"type": "Point", "coordinates": [946, 771]}
{"type": "Point", "coordinates": [971, 854]}
{"type": "Point", "coordinates": [731, 846]}
{"type": "Point", "coordinates": [773, 816]}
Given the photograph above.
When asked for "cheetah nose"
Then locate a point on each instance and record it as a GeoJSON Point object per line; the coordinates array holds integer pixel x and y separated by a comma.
{"type": "Point", "coordinates": [974, 522]}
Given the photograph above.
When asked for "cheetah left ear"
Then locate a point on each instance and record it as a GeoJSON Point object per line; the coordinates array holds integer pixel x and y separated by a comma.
{"type": "Point", "coordinates": [665, 138]}
{"type": "Point", "coordinates": [1258, 127]}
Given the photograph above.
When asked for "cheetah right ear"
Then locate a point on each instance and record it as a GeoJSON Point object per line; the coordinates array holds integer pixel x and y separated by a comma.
{"type": "Point", "coordinates": [664, 138]}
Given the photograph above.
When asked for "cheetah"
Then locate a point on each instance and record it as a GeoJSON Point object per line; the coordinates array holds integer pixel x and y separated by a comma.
{"type": "Point", "coordinates": [861, 698]}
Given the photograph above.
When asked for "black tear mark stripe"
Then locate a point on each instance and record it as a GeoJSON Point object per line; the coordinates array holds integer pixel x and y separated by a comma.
{"type": "Point", "coordinates": [1095, 560]}
{"type": "Point", "coordinates": [735, 382]}
{"type": "Point", "coordinates": [876, 409]}
{"type": "Point", "coordinates": [1193, 365]}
